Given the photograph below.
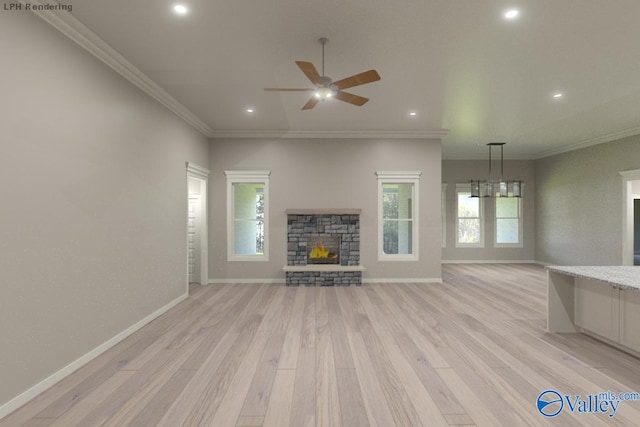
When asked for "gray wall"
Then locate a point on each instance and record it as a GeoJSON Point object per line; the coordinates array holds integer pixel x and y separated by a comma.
{"type": "Point", "coordinates": [579, 203]}
{"type": "Point", "coordinates": [316, 173]}
{"type": "Point", "coordinates": [462, 171]}
{"type": "Point", "coordinates": [93, 194]}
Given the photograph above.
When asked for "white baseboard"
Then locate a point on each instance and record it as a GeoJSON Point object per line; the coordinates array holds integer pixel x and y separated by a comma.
{"type": "Point", "coordinates": [245, 281]}
{"type": "Point", "coordinates": [43, 385]}
{"type": "Point", "coordinates": [389, 280]}
{"type": "Point", "coordinates": [364, 280]}
{"type": "Point", "coordinates": [489, 261]}
{"type": "Point", "coordinates": [397, 280]}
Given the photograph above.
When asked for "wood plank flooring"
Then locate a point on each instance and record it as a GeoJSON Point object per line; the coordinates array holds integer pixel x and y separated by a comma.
{"type": "Point", "coordinates": [470, 351]}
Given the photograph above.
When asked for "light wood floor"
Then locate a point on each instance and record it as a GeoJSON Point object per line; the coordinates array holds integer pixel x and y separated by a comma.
{"type": "Point", "coordinates": [470, 351]}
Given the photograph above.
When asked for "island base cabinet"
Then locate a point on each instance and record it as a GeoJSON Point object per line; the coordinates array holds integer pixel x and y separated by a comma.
{"type": "Point", "coordinates": [630, 319]}
{"type": "Point", "coordinates": [597, 308]}
{"type": "Point", "coordinates": [602, 302]}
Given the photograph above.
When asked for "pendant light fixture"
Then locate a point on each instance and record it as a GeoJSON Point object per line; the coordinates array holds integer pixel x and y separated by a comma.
{"type": "Point", "coordinates": [496, 188]}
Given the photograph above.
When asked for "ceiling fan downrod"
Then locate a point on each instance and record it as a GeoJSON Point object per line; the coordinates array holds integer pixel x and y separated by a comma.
{"type": "Point", "coordinates": [323, 41]}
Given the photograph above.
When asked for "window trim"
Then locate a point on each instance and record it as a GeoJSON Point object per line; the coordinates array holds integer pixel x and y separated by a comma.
{"type": "Point", "coordinates": [443, 214]}
{"type": "Point", "coordinates": [466, 188]}
{"type": "Point", "coordinates": [399, 177]}
{"type": "Point", "coordinates": [520, 243]}
{"type": "Point", "coordinates": [246, 177]}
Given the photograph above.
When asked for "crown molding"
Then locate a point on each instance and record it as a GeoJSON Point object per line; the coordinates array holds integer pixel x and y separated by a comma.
{"type": "Point", "coordinates": [71, 27]}
{"type": "Point", "coordinates": [331, 134]}
{"type": "Point", "coordinates": [590, 142]}
{"type": "Point", "coordinates": [614, 136]}
{"type": "Point", "coordinates": [451, 156]}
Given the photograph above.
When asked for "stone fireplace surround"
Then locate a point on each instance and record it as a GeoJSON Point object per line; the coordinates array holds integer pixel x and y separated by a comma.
{"type": "Point", "coordinates": [305, 223]}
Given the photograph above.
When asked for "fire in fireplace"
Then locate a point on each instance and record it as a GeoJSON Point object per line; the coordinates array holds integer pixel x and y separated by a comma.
{"type": "Point", "coordinates": [323, 250]}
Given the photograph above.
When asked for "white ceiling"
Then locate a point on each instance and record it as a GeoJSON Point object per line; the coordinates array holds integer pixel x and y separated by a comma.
{"type": "Point", "coordinates": [458, 63]}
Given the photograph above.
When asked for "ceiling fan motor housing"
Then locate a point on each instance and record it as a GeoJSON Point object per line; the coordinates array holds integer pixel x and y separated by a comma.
{"type": "Point", "coordinates": [326, 82]}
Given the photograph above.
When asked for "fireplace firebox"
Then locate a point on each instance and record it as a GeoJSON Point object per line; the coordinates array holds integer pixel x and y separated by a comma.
{"type": "Point", "coordinates": [323, 249]}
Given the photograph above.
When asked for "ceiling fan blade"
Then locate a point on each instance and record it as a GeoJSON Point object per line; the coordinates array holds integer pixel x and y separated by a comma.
{"type": "Point", "coordinates": [358, 79]}
{"type": "Point", "coordinates": [310, 71]}
{"type": "Point", "coordinates": [286, 89]}
{"type": "Point", "coordinates": [351, 98]}
{"type": "Point", "coordinates": [311, 103]}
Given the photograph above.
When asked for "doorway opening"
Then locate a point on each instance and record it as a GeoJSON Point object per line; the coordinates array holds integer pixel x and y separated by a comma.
{"type": "Point", "coordinates": [636, 228]}
{"type": "Point", "coordinates": [197, 230]}
{"type": "Point", "coordinates": [631, 217]}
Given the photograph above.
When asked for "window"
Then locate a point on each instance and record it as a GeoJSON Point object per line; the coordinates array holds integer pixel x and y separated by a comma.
{"type": "Point", "coordinates": [469, 218]}
{"type": "Point", "coordinates": [508, 222]}
{"type": "Point", "coordinates": [443, 214]}
{"type": "Point", "coordinates": [247, 215]}
{"type": "Point", "coordinates": [398, 215]}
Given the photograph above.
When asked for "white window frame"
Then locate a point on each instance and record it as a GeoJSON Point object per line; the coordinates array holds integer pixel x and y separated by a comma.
{"type": "Point", "coordinates": [246, 177]}
{"type": "Point", "coordinates": [520, 243]}
{"type": "Point", "coordinates": [399, 177]}
{"type": "Point", "coordinates": [443, 214]}
{"type": "Point", "coordinates": [466, 188]}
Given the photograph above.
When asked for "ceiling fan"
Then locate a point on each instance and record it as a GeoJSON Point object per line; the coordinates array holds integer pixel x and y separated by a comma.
{"type": "Point", "coordinates": [326, 88]}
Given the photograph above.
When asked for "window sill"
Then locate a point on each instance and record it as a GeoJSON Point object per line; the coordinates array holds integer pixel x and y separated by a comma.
{"type": "Point", "coordinates": [384, 258]}
{"type": "Point", "coordinates": [253, 258]}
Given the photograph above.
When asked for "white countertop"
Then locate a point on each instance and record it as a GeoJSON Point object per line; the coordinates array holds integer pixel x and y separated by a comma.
{"type": "Point", "coordinates": [619, 276]}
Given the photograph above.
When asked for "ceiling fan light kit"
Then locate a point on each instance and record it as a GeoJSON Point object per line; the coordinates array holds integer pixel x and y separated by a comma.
{"type": "Point", "coordinates": [326, 88]}
{"type": "Point", "coordinates": [324, 92]}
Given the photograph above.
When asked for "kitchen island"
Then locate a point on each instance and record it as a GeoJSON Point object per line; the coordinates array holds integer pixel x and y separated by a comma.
{"type": "Point", "coordinates": [601, 301]}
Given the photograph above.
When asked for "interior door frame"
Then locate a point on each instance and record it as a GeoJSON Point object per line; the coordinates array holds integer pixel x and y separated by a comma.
{"type": "Point", "coordinates": [196, 215]}
{"type": "Point", "coordinates": [200, 174]}
{"type": "Point", "coordinates": [627, 214]}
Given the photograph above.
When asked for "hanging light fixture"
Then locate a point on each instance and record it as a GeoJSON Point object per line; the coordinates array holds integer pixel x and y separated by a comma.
{"type": "Point", "coordinates": [496, 188]}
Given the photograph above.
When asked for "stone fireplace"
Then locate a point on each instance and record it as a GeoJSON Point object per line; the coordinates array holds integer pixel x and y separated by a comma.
{"type": "Point", "coordinates": [323, 247]}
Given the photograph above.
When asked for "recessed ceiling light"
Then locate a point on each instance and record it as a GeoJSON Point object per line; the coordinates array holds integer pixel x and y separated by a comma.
{"type": "Point", "coordinates": [250, 110]}
{"type": "Point", "coordinates": [180, 9]}
{"type": "Point", "coordinates": [557, 95]}
{"type": "Point", "coordinates": [512, 13]}
{"type": "Point", "coordinates": [413, 114]}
